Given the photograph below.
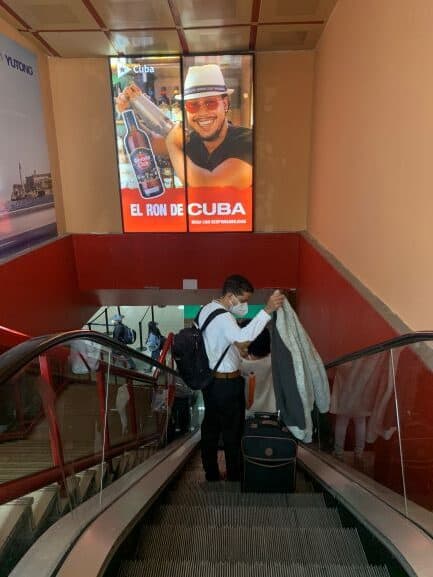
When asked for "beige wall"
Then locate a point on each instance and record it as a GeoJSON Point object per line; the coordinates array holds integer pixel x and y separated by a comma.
{"type": "Point", "coordinates": [83, 115]}
{"type": "Point", "coordinates": [10, 32]}
{"type": "Point", "coordinates": [283, 83]}
{"type": "Point", "coordinates": [84, 125]}
{"type": "Point", "coordinates": [371, 200]}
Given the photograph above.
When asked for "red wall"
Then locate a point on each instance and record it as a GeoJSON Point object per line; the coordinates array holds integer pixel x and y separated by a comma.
{"type": "Point", "coordinates": [40, 293]}
{"type": "Point", "coordinates": [51, 288]}
{"type": "Point", "coordinates": [136, 261]}
{"type": "Point", "coordinates": [54, 287]}
{"type": "Point", "coordinates": [338, 319]}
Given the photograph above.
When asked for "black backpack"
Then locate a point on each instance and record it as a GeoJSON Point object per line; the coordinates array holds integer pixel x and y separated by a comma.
{"type": "Point", "coordinates": [124, 334]}
{"type": "Point", "coordinates": [190, 354]}
{"type": "Point", "coordinates": [129, 336]}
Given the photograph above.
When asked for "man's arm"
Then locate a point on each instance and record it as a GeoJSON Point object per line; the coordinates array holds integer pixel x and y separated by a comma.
{"type": "Point", "coordinates": [234, 333]}
{"type": "Point", "coordinates": [227, 325]}
{"type": "Point", "coordinates": [174, 145]}
{"type": "Point", "coordinates": [232, 172]}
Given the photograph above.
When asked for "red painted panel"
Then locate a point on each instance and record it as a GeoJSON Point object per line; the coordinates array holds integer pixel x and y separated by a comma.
{"type": "Point", "coordinates": [135, 261]}
{"type": "Point", "coordinates": [40, 293]}
{"type": "Point", "coordinates": [338, 319]}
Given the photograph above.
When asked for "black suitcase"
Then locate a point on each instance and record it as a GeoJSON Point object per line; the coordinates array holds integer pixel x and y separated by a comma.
{"type": "Point", "coordinates": [269, 456]}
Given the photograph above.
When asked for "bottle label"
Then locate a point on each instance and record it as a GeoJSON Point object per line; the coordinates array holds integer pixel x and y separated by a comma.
{"type": "Point", "coordinates": [146, 172]}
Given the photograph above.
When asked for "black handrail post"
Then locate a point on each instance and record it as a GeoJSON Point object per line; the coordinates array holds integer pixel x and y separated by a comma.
{"type": "Point", "coordinates": [153, 313]}
{"type": "Point", "coordinates": [106, 321]}
{"type": "Point", "coordinates": [92, 321]}
{"type": "Point", "coordinates": [140, 332]}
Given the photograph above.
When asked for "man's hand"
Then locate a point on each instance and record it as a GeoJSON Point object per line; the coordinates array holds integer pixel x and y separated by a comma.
{"type": "Point", "coordinates": [275, 302]}
{"type": "Point", "coordinates": [122, 103]}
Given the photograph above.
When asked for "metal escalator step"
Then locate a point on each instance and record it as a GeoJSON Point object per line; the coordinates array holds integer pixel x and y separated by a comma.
{"type": "Point", "coordinates": [245, 516]}
{"type": "Point", "coordinates": [202, 498]}
{"type": "Point", "coordinates": [197, 476]}
{"type": "Point", "coordinates": [294, 545]}
{"type": "Point", "coordinates": [150, 568]}
{"type": "Point", "coordinates": [205, 487]}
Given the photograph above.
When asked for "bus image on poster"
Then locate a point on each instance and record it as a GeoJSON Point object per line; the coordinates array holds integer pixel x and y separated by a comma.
{"type": "Point", "coordinates": [185, 145]}
{"type": "Point", "coordinates": [27, 212]}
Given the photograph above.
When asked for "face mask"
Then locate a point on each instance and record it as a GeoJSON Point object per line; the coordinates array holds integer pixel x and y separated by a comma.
{"type": "Point", "coordinates": [239, 309]}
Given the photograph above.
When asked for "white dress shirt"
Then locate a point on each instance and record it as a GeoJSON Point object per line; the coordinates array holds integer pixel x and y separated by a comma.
{"type": "Point", "coordinates": [223, 330]}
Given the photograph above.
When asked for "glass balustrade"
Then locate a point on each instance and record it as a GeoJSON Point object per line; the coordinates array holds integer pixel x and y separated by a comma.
{"type": "Point", "coordinates": [380, 424]}
{"type": "Point", "coordinates": [77, 416]}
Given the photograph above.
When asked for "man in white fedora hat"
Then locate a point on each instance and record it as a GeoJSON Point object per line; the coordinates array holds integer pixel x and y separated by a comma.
{"type": "Point", "coordinates": [218, 154]}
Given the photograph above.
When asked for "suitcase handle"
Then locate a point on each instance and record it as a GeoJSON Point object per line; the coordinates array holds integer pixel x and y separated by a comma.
{"type": "Point", "coordinates": [268, 423]}
{"type": "Point", "coordinates": [271, 464]}
{"type": "Point", "coordinates": [265, 415]}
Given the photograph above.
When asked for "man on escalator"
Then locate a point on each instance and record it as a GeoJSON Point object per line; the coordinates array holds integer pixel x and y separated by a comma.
{"type": "Point", "coordinates": [124, 335]}
{"type": "Point", "coordinates": [224, 398]}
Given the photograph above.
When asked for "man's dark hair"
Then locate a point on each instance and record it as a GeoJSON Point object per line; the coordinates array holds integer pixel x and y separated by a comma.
{"type": "Point", "coordinates": [261, 345]}
{"type": "Point", "coordinates": [237, 285]}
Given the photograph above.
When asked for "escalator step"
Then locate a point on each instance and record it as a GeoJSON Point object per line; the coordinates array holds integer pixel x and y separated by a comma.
{"type": "Point", "coordinates": [197, 476]}
{"type": "Point", "coordinates": [193, 569]}
{"type": "Point", "coordinates": [203, 498]}
{"type": "Point", "coordinates": [245, 516]}
{"type": "Point", "coordinates": [205, 487]}
{"type": "Point", "coordinates": [330, 545]}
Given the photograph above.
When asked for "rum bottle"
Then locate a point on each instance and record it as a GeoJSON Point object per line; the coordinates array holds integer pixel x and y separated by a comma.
{"type": "Point", "coordinates": [141, 157]}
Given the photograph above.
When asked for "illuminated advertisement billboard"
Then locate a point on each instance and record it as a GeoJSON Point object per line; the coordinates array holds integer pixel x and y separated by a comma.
{"type": "Point", "coordinates": [184, 130]}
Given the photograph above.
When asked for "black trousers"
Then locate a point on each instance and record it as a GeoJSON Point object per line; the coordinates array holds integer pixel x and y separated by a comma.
{"type": "Point", "coordinates": [224, 401]}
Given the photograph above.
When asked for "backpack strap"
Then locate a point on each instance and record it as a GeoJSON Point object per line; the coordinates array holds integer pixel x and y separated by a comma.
{"type": "Point", "coordinates": [221, 358]}
{"type": "Point", "coordinates": [209, 319]}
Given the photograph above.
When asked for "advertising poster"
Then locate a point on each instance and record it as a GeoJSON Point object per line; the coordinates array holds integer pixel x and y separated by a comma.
{"type": "Point", "coordinates": [218, 105]}
{"type": "Point", "coordinates": [146, 109]}
{"type": "Point", "coordinates": [184, 134]}
{"type": "Point", "coordinates": [27, 213]}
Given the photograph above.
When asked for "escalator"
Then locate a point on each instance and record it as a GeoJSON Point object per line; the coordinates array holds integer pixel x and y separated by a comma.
{"type": "Point", "coordinates": [214, 530]}
{"type": "Point", "coordinates": [96, 490]}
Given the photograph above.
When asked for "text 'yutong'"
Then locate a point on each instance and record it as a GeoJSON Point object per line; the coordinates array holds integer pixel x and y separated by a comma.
{"type": "Point", "coordinates": [18, 65]}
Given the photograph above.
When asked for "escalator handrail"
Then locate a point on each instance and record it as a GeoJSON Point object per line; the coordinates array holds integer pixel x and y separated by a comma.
{"type": "Point", "coordinates": [400, 341]}
{"type": "Point", "coordinates": [93, 319]}
{"type": "Point", "coordinates": [19, 356]}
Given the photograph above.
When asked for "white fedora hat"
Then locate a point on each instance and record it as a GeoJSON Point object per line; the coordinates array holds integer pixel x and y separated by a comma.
{"type": "Point", "coordinates": [202, 81]}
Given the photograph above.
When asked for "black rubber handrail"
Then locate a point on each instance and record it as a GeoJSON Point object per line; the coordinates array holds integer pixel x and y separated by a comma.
{"type": "Point", "coordinates": [400, 341]}
{"type": "Point", "coordinates": [19, 356]}
{"type": "Point", "coordinates": [92, 321]}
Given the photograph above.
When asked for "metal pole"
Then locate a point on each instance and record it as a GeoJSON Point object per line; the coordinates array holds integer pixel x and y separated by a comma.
{"type": "Point", "coordinates": [140, 332]}
{"type": "Point", "coordinates": [400, 443]}
{"type": "Point", "coordinates": [153, 313]}
{"type": "Point", "coordinates": [106, 321]}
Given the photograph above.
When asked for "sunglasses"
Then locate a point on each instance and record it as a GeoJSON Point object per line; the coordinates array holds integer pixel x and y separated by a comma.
{"type": "Point", "coordinates": [208, 104]}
